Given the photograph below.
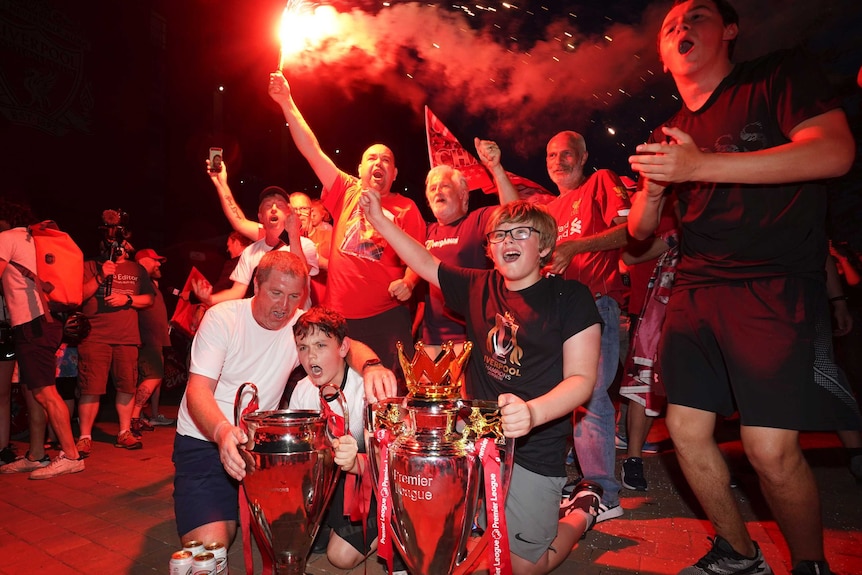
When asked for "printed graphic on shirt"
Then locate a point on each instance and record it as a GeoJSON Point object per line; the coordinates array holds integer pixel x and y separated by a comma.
{"type": "Point", "coordinates": [360, 238]}
{"type": "Point", "coordinates": [752, 138]}
{"type": "Point", "coordinates": [574, 227]}
{"type": "Point", "coordinates": [502, 341]}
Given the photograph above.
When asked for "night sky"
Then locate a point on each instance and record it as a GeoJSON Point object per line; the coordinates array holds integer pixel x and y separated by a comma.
{"type": "Point", "coordinates": [108, 104]}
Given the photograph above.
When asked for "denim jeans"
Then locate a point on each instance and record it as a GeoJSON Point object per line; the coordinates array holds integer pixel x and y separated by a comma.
{"type": "Point", "coordinates": [594, 429]}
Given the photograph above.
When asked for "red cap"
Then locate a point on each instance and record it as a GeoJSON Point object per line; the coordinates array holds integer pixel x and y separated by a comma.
{"type": "Point", "coordinates": [149, 253]}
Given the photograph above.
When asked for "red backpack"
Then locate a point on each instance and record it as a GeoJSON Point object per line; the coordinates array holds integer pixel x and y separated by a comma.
{"type": "Point", "coordinates": [59, 275]}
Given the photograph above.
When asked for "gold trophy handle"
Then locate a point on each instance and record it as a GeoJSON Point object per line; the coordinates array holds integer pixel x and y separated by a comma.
{"type": "Point", "coordinates": [336, 393]}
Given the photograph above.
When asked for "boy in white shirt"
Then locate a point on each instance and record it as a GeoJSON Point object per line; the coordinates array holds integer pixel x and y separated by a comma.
{"type": "Point", "coordinates": [322, 344]}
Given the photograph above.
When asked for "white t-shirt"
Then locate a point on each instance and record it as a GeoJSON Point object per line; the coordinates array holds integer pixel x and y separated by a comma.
{"type": "Point", "coordinates": [232, 348]}
{"type": "Point", "coordinates": [253, 253]}
{"type": "Point", "coordinates": [307, 396]}
{"type": "Point", "coordinates": [22, 299]}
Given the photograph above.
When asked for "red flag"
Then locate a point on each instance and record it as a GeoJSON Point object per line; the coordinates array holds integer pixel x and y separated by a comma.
{"type": "Point", "coordinates": [187, 316]}
{"type": "Point", "coordinates": [444, 148]}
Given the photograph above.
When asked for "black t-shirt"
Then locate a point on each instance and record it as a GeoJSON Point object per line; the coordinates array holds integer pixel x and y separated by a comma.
{"type": "Point", "coordinates": [733, 232]}
{"type": "Point", "coordinates": [518, 347]}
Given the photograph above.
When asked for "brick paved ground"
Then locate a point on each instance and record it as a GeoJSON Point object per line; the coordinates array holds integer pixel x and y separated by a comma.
{"type": "Point", "coordinates": [117, 516]}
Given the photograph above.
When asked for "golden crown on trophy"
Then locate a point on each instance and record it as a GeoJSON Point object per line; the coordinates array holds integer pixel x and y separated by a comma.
{"type": "Point", "coordinates": [430, 380]}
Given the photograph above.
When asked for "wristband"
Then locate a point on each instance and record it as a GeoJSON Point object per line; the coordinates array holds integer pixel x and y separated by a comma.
{"type": "Point", "coordinates": [129, 302]}
{"type": "Point", "coordinates": [838, 298]}
{"type": "Point", "coordinates": [370, 363]}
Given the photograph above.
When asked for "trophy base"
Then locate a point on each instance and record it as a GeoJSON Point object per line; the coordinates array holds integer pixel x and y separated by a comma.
{"type": "Point", "coordinates": [291, 565]}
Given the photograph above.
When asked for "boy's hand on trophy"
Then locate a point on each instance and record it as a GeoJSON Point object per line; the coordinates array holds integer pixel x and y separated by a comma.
{"type": "Point", "coordinates": [515, 416]}
{"type": "Point", "coordinates": [346, 449]}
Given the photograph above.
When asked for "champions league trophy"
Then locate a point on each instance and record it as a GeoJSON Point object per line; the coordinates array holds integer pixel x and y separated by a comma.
{"type": "Point", "coordinates": [290, 477]}
{"type": "Point", "coordinates": [430, 452]}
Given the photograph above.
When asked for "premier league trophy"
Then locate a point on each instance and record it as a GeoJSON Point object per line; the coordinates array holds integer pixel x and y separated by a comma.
{"type": "Point", "coordinates": [290, 477]}
{"type": "Point", "coordinates": [431, 452]}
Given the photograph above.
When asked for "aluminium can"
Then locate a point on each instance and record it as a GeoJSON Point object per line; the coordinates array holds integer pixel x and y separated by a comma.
{"type": "Point", "coordinates": [219, 551]}
{"type": "Point", "coordinates": [181, 562]}
{"type": "Point", "coordinates": [204, 564]}
{"type": "Point", "coordinates": [196, 547]}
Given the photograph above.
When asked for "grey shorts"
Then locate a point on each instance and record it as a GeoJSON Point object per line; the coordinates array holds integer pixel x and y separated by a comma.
{"type": "Point", "coordinates": [532, 512]}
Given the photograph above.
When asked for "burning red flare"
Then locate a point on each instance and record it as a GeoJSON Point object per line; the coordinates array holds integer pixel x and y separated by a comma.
{"type": "Point", "coordinates": [303, 26]}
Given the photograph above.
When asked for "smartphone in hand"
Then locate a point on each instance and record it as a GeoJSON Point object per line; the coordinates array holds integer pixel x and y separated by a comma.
{"type": "Point", "coordinates": [215, 160]}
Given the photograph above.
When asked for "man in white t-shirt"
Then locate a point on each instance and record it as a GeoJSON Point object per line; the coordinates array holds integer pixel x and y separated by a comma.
{"type": "Point", "coordinates": [278, 219]}
{"type": "Point", "coordinates": [245, 340]}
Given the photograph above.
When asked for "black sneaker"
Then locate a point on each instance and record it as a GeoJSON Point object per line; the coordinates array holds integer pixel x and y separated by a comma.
{"type": "Point", "coordinates": [586, 496]}
{"type": "Point", "coordinates": [7, 454]}
{"type": "Point", "coordinates": [321, 542]}
{"type": "Point", "coordinates": [811, 568]}
{"type": "Point", "coordinates": [724, 560]}
{"type": "Point", "coordinates": [139, 425]}
{"type": "Point", "coordinates": [855, 467]}
{"type": "Point", "coordinates": [632, 475]}
{"type": "Point", "coordinates": [570, 487]}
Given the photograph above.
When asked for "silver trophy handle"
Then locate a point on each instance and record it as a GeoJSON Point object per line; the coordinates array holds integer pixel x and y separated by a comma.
{"type": "Point", "coordinates": [237, 402]}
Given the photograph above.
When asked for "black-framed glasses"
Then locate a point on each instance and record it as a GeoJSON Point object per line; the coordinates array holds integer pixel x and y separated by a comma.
{"type": "Point", "coordinates": [519, 233]}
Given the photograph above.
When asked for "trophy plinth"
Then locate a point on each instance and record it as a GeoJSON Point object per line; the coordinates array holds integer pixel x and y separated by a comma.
{"type": "Point", "coordinates": [433, 468]}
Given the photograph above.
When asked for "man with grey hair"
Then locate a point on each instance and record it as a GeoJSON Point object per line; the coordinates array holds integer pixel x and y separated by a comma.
{"type": "Point", "coordinates": [457, 238]}
{"type": "Point", "coordinates": [591, 217]}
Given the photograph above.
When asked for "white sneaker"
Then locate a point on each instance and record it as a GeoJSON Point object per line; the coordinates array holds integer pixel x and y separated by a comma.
{"type": "Point", "coordinates": [606, 512]}
{"type": "Point", "coordinates": [60, 466]}
{"type": "Point", "coordinates": [25, 464]}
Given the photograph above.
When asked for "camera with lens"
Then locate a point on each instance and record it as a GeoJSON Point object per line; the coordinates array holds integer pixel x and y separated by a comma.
{"type": "Point", "coordinates": [115, 234]}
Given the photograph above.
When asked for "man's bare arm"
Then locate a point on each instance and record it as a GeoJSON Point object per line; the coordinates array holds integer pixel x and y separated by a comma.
{"type": "Point", "coordinates": [490, 156]}
{"type": "Point", "coordinates": [610, 239]}
{"type": "Point", "coordinates": [303, 137]}
{"type": "Point", "coordinates": [820, 147]}
{"type": "Point", "coordinates": [231, 209]}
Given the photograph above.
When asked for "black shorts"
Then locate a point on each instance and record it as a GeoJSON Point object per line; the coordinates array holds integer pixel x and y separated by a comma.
{"type": "Point", "coordinates": [747, 347]}
{"type": "Point", "coordinates": [67, 388]}
{"type": "Point", "coordinates": [351, 531]}
{"type": "Point", "coordinates": [203, 491]}
{"type": "Point", "coordinates": [151, 363]}
{"type": "Point", "coordinates": [36, 343]}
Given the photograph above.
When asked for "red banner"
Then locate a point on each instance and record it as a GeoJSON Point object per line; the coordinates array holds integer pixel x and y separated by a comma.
{"type": "Point", "coordinates": [444, 148]}
{"type": "Point", "coordinates": [187, 317]}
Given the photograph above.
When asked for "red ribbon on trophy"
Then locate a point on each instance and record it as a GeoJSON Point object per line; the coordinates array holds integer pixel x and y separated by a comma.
{"type": "Point", "coordinates": [334, 420]}
{"type": "Point", "coordinates": [357, 488]}
{"type": "Point", "coordinates": [499, 560]}
{"type": "Point", "coordinates": [384, 543]}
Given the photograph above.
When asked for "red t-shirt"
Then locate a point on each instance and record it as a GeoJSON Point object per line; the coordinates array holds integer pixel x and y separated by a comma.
{"type": "Point", "coordinates": [586, 211]}
{"type": "Point", "coordinates": [361, 263]}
